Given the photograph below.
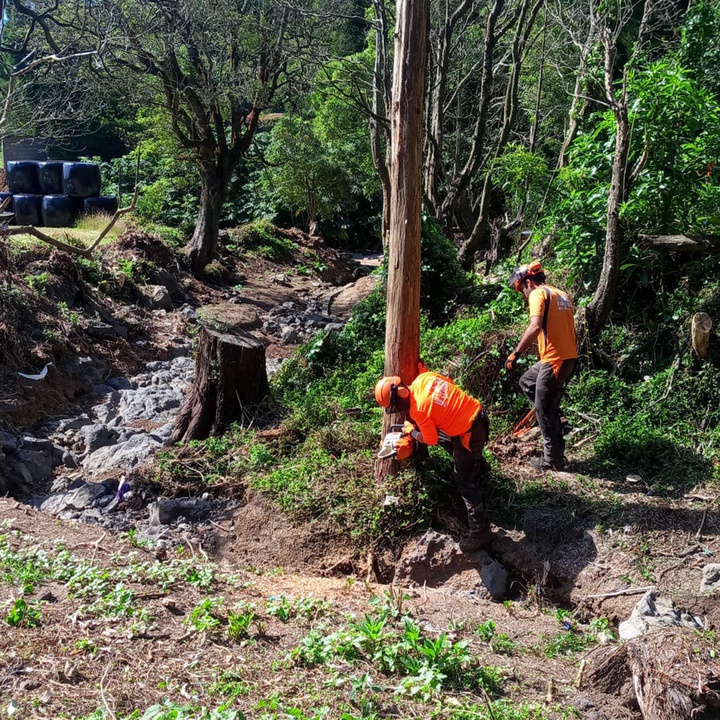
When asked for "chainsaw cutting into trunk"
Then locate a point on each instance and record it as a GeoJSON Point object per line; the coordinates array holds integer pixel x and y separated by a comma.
{"type": "Point", "coordinates": [397, 444]}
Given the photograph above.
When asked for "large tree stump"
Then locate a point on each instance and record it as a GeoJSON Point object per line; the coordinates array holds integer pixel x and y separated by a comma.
{"type": "Point", "coordinates": [230, 375]}
{"type": "Point", "coordinates": [673, 673]}
{"type": "Point", "coordinates": [701, 327]}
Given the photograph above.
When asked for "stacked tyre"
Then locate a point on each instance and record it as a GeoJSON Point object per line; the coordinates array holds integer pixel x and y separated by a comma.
{"type": "Point", "coordinates": [53, 193]}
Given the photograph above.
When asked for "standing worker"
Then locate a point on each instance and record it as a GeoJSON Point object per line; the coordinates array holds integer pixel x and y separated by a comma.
{"type": "Point", "coordinates": [444, 415]}
{"type": "Point", "coordinates": [552, 324]}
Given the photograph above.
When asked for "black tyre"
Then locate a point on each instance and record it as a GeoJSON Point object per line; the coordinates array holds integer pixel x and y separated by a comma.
{"type": "Point", "coordinates": [50, 177]}
{"type": "Point", "coordinates": [81, 179]}
{"type": "Point", "coordinates": [27, 209]}
{"type": "Point", "coordinates": [58, 210]}
{"type": "Point", "coordinates": [22, 177]}
{"type": "Point", "coordinates": [103, 204]}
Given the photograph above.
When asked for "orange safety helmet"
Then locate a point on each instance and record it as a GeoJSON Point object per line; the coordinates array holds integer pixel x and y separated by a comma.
{"type": "Point", "coordinates": [388, 389]}
{"type": "Point", "coordinates": [524, 271]}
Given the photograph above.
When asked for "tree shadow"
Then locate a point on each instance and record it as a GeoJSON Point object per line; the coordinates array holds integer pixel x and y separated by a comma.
{"type": "Point", "coordinates": [544, 523]}
{"type": "Point", "coordinates": [664, 467]}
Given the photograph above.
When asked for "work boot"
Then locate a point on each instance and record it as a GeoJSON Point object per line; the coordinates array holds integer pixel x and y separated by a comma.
{"type": "Point", "coordinates": [480, 533]}
{"type": "Point", "coordinates": [543, 464]}
{"type": "Point", "coordinates": [476, 539]}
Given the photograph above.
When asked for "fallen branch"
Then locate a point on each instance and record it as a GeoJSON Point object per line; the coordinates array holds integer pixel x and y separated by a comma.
{"type": "Point", "coordinates": [629, 591]}
{"type": "Point", "coordinates": [702, 523]}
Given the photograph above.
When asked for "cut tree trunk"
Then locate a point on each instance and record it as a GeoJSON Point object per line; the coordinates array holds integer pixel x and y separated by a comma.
{"type": "Point", "coordinates": [701, 327]}
{"type": "Point", "coordinates": [671, 673]}
{"type": "Point", "coordinates": [230, 379]}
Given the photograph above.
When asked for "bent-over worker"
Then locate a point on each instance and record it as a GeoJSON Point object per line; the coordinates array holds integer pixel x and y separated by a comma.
{"type": "Point", "coordinates": [445, 415]}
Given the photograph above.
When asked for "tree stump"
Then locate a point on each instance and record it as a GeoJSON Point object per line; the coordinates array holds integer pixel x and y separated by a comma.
{"type": "Point", "coordinates": [672, 673]}
{"type": "Point", "coordinates": [701, 327]}
{"type": "Point", "coordinates": [230, 375]}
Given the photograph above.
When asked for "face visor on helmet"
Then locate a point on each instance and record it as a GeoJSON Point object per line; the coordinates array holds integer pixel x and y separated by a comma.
{"type": "Point", "coordinates": [523, 272]}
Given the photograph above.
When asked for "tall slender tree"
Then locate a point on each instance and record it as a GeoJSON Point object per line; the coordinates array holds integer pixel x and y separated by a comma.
{"type": "Point", "coordinates": [402, 335]}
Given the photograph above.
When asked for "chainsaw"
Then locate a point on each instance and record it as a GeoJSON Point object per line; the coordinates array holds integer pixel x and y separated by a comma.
{"type": "Point", "coordinates": [397, 444]}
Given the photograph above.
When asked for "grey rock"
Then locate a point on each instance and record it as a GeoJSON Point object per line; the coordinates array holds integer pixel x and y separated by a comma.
{"type": "Point", "coordinates": [69, 460]}
{"type": "Point", "coordinates": [178, 351]}
{"type": "Point", "coordinates": [102, 330]}
{"type": "Point", "coordinates": [494, 577]}
{"type": "Point", "coordinates": [157, 365]}
{"type": "Point", "coordinates": [93, 515]}
{"type": "Point", "coordinates": [84, 496]}
{"type": "Point", "coordinates": [156, 297]}
{"type": "Point", "coordinates": [97, 436]}
{"type": "Point", "coordinates": [85, 369]}
{"type": "Point", "coordinates": [289, 335]}
{"type": "Point", "coordinates": [711, 578]}
{"type": "Point", "coordinates": [53, 504]}
{"type": "Point", "coordinates": [8, 442]}
{"type": "Point", "coordinates": [124, 455]}
{"type": "Point", "coordinates": [60, 485]}
{"type": "Point", "coordinates": [104, 500]}
{"type": "Point", "coordinates": [36, 465]}
{"type": "Point", "coordinates": [73, 424]}
{"type": "Point", "coordinates": [102, 389]}
{"type": "Point", "coordinates": [653, 613]}
{"type": "Point", "coordinates": [120, 383]}
{"type": "Point", "coordinates": [334, 327]}
{"type": "Point", "coordinates": [34, 444]}
{"type": "Point", "coordinates": [166, 278]}
{"type": "Point", "coordinates": [164, 512]}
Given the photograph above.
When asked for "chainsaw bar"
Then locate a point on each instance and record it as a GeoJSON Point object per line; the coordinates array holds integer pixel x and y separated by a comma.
{"type": "Point", "coordinates": [526, 424]}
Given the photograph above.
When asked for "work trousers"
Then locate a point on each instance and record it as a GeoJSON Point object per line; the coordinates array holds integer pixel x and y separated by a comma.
{"type": "Point", "coordinates": [472, 470]}
{"type": "Point", "coordinates": [543, 388]}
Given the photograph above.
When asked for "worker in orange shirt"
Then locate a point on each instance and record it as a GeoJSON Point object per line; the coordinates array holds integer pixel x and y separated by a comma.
{"type": "Point", "coordinates": [445, 415]}
{"type": "Point", "coordinates": [552, 324]}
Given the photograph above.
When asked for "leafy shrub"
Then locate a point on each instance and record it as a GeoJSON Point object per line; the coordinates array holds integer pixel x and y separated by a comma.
{"type": "Point", "coordinates": [262, 238]}
{"type": "Point", "coordinates": [442, 278]}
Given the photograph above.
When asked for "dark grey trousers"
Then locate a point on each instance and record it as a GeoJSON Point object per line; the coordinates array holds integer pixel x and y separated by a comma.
{"type": "Point", "coordinates": [472, 470]}
{"type": "Point", "coordinates": [544, 390]}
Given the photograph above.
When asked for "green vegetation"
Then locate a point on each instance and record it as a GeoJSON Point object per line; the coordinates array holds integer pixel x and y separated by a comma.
{"type": "Point", "coordinates": [361, 661]}
{"type": "Point", "coordinates": [261, 238]}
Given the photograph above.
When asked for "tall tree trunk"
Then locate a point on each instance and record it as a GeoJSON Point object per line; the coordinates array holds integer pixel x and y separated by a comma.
{"type": "Point", "coordinates": [578, 103]}
{"type": "Point", "coordinates": [481, 232]}
{"type": "Point", "coordinates": [600, 306]}
{"type": "Point", "coordinates": [203, 245]}
{"type": "Point", "coordinates": [460, 183]}
{"type": "Point", "coordinates": [437, 98]}
{"type": "Point", "coordinates": [379, 137]}
{"type": "Point", "coordinates": [621, 182]}
{"type": "Point", "coordinates": [402, 331]}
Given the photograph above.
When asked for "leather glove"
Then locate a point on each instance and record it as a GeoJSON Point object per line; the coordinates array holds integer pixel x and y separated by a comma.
{"type": "Point", "coordinates": [510, 362]}
{"type": "Point", "coordinates": [408, 427]}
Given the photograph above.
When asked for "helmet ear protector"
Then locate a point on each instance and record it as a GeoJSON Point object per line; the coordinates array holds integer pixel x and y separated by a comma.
{"type": "Point", "coordinates": [523, 272]}
{"type": "Point", "coordinates": [388, 390]}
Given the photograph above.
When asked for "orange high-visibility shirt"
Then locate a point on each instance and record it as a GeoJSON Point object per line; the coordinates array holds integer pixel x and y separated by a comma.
{"type": "Point", "coordinates": [437, 404]}
{"type": "Point", "coordinates": [556, 342]}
